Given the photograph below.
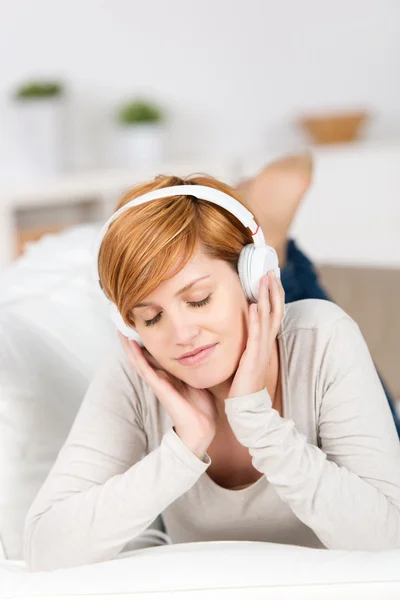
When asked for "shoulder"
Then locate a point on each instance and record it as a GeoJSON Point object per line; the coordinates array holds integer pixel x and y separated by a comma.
{"type": "Point", "coordinates": [313, 314]}
{"type": "Point", "coordinates": [321, 333]}
{"type": "Point", "coordinates": [322, 346]}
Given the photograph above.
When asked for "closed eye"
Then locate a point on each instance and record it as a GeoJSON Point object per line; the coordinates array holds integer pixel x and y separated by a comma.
{"type": "Point", "coordinates": [194, 304]}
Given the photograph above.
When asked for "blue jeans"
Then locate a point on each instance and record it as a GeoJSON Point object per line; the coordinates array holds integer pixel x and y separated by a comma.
{"type": "Point", "coordinates": [300, 281]}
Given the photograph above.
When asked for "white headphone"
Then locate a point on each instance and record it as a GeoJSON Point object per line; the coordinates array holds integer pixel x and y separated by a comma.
{"type": "Point", "coordinates": [254, 261]}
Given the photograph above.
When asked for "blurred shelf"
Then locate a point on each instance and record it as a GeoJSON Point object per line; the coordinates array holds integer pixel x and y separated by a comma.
{"type": "Point", "coordinates": [32, 234]}
{"type": "Point", "coordinates": [343, 174]}
{"type": "Point", "coordinates": [44, 202]}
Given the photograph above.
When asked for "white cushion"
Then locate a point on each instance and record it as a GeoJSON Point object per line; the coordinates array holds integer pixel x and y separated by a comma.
{"type": "Point", "coordinates": [226, 570]}
{"type": "Point", "coordinates": [54, 331]}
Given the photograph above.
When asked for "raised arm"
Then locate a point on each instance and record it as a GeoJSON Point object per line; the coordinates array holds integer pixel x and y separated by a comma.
{"type": "Point", "coordinates": [347, 491]}
{"type": "Point", "coordinates": [104, 490]}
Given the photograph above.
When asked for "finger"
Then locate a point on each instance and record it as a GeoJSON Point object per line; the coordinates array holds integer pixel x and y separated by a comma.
{"type": "Point", "coordinates": [264, 307]}
{"type": "Point", "coordinates": [251, 353]}
{"type": "Point", "coordinates": [267, 322]}
{"type": "Point", "coordinates": [265, 300]}
{"type": "Point", "coordinates": [125, 343]}
{"type": "Point", "coordinates": [150, 359]}
{"type": "Point", "coordinates": [268, 315]}
{"type": "Point", "coordinates": [176, 390]}
{"type": "Point", "coordinates": [140, 363]}
{"type": "Point", "coordinates": [281, 294]}
{"type": "Point", "coordinates": [122, 338]}
{"type": "Point", "coordinates": [280, 287]}
{"type": "Point", "coordinates": [137, 357]}
{"type": "Point", "coordinates": [277, 304]}
{"type": "Point", "coordinates": [162, 383]}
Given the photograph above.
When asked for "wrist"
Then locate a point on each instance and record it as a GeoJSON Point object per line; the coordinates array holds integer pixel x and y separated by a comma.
{"type": "Point", "coordinates": [198, 446]}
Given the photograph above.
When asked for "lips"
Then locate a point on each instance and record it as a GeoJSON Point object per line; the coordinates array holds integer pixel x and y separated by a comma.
{"type": "Point", "coordinates": [200, 357]}
{"type": "Point", "coordinates": [195, 351]}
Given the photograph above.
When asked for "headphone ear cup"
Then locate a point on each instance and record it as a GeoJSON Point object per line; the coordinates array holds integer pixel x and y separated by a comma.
{"type": "Point", "coordinates": [243, 269]}
{"type": "Point", "coordinates": [253, 264]}
{"type": "Point", "coordinates": [127, 331]}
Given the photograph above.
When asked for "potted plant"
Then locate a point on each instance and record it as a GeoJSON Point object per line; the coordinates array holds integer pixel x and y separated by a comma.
{"type": "Point", "coordinates": [141, 126]}
{"type": "Point", "coordinates": [41, 123]}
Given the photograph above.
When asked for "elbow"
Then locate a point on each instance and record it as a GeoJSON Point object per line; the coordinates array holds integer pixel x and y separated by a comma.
{"type": "Point", "coordinates": [35, 558]}
{"type": "Point", "coordinates": [41, 551]}
{"type": "Point", "coordinates": [46, 549]}
{"type": "Point", "coordinates": [377, 535]}
{"type": "Point", "coordinates": [48, 546]}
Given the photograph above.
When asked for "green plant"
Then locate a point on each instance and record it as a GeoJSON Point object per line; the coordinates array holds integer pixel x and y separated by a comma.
{"type": "Point", "coordinates": [39, 89]}
{"type": "Point", "coordinates": [139, 111]}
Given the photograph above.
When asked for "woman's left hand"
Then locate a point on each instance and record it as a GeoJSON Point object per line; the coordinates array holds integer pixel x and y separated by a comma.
{"type": "Point", "coordinates": [264, 322]}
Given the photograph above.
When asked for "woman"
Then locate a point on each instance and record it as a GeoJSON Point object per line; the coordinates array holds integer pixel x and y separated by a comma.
{"type": "Point", "coordinates": [281, 432]}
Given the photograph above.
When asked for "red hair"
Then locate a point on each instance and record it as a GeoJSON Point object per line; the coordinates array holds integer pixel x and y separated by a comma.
{"type": "Point", "coordinates": [149, 241]}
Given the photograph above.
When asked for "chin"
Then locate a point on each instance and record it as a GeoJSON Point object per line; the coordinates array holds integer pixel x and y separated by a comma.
{"type": "Point", "coordinates": [210, 378]}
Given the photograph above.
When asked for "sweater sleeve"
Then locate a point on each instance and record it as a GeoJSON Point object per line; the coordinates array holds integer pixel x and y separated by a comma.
{"type": "Point", "coordinates": [347, 491]}
{"type": "Point", "coordinates": [104, 490]}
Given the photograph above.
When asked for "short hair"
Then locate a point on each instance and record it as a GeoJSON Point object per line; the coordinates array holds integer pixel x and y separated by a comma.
{"type": "Point", "coordinates": [152, 242]}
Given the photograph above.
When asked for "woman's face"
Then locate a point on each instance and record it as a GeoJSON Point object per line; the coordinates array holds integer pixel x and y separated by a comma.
{"type": "Point", "coordinates": [172, 324]}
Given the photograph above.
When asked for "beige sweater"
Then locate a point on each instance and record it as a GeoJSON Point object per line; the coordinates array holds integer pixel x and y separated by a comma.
{"type": "Point", "coordinates": [330, 465]}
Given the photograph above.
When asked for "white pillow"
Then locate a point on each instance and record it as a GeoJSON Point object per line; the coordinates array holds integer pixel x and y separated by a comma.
{"type": "Point", "coordinates": [226, 569]}
{"type": "Point", "coordinates": [54, 331]}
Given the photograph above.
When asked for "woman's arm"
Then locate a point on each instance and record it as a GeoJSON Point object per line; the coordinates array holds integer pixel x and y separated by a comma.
{"type": "Point", "coordinates": [348, 491]}
{"type": "Point", "coordinates": [103, 491]}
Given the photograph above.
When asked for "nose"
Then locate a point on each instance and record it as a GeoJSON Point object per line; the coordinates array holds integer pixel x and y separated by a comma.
{"type": "Point", "coordinates": [183, 329]}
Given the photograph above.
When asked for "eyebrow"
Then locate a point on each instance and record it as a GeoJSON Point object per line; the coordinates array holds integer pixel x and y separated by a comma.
{"type": "Point", "coordinates": [178, 293]}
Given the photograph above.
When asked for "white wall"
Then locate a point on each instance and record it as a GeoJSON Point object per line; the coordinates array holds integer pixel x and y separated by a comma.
{"type": "Point", "coordinates": [351, 214]}
{"type": "Point", "coordinates": [233, 74]}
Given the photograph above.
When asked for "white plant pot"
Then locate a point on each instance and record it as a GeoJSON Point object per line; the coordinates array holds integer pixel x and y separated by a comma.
{"type": "Point", "coordinates": [142, 145]}
{"type": "Point", "coordinates": [41, 132]}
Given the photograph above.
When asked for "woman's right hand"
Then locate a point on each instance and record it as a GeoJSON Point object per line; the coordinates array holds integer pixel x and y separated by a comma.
{"type": "Point", "coordinates": [193, 411]}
